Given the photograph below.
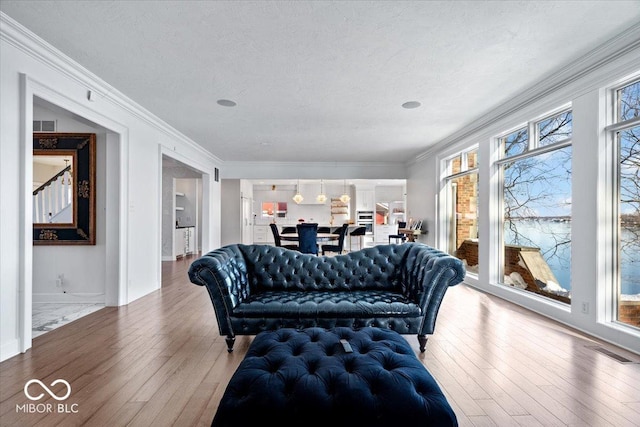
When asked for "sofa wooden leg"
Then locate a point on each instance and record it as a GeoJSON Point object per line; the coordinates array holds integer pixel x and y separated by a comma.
{"type": "Point", "coordinates": [422, 339]}
{"type": "Point", "coordinates": [230, 341]}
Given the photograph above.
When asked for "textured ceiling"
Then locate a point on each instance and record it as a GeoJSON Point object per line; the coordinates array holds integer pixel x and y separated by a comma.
{"type": "Point", "coordinates": [322, 80]}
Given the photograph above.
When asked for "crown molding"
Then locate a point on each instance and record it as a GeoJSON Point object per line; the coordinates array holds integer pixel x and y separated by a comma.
{"type": "Point", "coordinates": [615, 48]}
{"type": "Point", "coordinates": [328, 165]}
{"type": "Point", "coordinates": [18, 36]}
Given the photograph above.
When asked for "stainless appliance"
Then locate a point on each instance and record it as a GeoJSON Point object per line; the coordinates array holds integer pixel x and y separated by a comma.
{"type": "Point", "coordinates": [365, 218]}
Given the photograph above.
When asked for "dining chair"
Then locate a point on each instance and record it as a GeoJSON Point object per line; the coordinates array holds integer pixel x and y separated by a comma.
{"type": "Point", "coordinates": [399, 236]}
{"type": "Point", "coordinates": [340, 246]}
{"type": "Point", "coordinates": [307, 238]}
{"type": "Point", "coordinates": [288, 230]}
{"type": "Point", "coordinates": [358, 233]}
{"type": "Point", "coordinates": [278, 241]}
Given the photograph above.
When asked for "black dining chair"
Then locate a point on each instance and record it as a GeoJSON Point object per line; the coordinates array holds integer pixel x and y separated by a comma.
{"type": "Point", "coordinates": [358, 232]}
{"type": "Point", "coordinates": [288, 230]}
{"type": "Point", "coordinates": [325, 230]}
{"type": "Point", "coordinates": [340, 246]}
{"type": "Point", "coordinates": [399, 236]}
{"type": "Point", "coordinates": [278, 241]}
{"type": "Point", "coordinates": [307, 238]}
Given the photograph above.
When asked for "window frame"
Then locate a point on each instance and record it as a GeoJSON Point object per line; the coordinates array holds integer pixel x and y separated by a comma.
{"type": "Point", "coordinates": [609, 258]}
{"type": "Point", "coordinates": [446, 179]}
{"type": "Point", "coordinates": [497, 168]}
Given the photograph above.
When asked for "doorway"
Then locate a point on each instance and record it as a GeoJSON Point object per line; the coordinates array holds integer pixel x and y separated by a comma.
{"type": "Point", "coordinates": [63, 277]}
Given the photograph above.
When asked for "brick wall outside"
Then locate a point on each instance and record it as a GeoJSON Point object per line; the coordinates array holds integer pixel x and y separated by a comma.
{"type": "Point", "coordinates": [468, 251]}
{"type": "Point", "coordinates": [629, 312]}
{"type": "Point", "coordinates": [466, 206]}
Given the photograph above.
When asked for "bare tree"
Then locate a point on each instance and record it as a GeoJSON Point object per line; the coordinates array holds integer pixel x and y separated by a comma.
{"type": "Point", "coordinates": [531, 184]}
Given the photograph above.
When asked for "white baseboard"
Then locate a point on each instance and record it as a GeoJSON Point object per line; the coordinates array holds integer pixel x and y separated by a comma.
{"type": "Point", "coordinates": [68, 297]}
{"type": "Point", "coordinates": [9, 350]}
{"type": "Point", "coordinates": [168, 258]}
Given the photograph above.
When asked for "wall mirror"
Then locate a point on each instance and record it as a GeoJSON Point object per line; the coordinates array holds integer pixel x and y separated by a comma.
{"type": "Point", "coordinates": [64, 188]}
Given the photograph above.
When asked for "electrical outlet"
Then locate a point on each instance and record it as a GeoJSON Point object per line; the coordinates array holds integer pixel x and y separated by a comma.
{"type": "Point", "coordinates": [60, 280]}
{"type": "Point", "coordinates": [585, 308]}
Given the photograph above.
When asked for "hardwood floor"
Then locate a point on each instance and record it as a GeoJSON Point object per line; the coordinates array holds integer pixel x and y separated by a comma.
{"type": "Point", "coordinates": [160, 361]}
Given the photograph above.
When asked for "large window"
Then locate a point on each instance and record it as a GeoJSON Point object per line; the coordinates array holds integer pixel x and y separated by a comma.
{"type": "Point", "coordinates": [461, 189]}
{"type": "Point", "coordinates": [627, 141]}
{"type": "Point", "coordinates": [536, 198]}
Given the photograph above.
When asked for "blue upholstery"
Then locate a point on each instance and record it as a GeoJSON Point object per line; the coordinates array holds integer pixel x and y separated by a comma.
{"type": "Point", "coordinates": [308, 238]}
{"type": "Point", "coordinates": [255, 288]}
{"type": "Point", "coordinates": [296, 378]}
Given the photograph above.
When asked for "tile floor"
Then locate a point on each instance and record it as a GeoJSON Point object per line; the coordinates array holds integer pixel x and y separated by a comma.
{"type": "Point", "coordinates": [47, 316]}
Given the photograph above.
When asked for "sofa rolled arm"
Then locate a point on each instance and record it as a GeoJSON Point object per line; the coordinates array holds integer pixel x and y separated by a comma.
{"type": "Point", "coordinates": [429, 273]}
{"type": "Point", "coordinates": [224, 273]}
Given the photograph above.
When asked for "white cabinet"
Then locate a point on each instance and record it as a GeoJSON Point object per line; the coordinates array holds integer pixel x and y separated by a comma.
{"type": "Point", "coordinates": [184, 241]}
{"type": "Point", "coordinates": [262, 235]}
{"type": "Point", "coordinates": [178, 242]}
{"type": "Point", "coordinates": [190, 240]}
{"type": "Point", "coordinates": [382, 232]}
{"type": "Point", "coordinates": [365, 200]}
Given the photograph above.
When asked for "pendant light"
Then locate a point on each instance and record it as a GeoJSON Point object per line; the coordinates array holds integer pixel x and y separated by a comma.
{"type": "Point", "coordinates": [345, 197]}
{"type": "Point", "coordinates": [66, 173]}
{"type": "Point", "coordinates": [298, 197]}
{"type": "Point", "coordinates": [321, 197]}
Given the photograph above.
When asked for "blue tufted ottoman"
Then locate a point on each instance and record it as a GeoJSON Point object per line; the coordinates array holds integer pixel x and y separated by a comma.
{"type": "Point", "coordinates": [305, 377]}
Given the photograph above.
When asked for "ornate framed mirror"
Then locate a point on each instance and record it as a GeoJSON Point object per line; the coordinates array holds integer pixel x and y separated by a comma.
{"type": "Point", "coordinates": [64, 197]}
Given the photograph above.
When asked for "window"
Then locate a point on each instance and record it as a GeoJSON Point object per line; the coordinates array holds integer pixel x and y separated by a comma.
{"type": "Point", "coordinates": [626, 137]}
{"type": "Point", "coordinates": [536, 200]}
{"type": "Point", "coordinates": [461, 189]}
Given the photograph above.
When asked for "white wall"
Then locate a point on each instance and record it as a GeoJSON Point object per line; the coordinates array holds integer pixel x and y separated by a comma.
{"type": "Point", "coordinates": [79, 284]}
{"type": "Point", "coordinates": [30, 67]}
{"type": "Point", "coordinates": [585, 91]}
{"type": "Point", "coordinates": [231, 206]}
{"type": "Point", "coordinates": [313, 170]}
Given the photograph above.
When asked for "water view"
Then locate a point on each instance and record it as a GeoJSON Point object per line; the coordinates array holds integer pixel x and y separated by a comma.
{"type": "Point", "coordinates": [553, 237]}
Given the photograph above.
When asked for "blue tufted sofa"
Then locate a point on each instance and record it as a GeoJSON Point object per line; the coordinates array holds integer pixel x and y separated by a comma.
{"type": "Point", "coordinates": [256, 288]}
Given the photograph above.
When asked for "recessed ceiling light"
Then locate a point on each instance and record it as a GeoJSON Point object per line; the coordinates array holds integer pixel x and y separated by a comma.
{"type": "Point", "coordinates": [411, 104]}
{"type": "Point", "coordinates": [226, 103]}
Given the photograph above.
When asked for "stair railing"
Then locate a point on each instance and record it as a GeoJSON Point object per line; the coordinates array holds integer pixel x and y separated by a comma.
{"type": "Point", "coordinates": [52, 197]}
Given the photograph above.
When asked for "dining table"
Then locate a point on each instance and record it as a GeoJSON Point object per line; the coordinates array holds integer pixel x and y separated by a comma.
{"type": "Point", "coordinates": [321, 237]}
{"type": "Point", "coordinates": [411, 234]}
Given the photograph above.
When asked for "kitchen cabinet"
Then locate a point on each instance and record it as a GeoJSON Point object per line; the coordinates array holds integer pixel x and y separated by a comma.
{"type": "Point", "coordinates": [178, 242]}
{"type": "Point", "coordinates": [262, 235]}
{"type": "Point", "coordinates": [383, 231]}
{"type": "Point", "coordinates": [184, 241]}
{"type": "Point", "coordinates": [365, 200]}
{"type": "Point", "coordinates": [190, 240]}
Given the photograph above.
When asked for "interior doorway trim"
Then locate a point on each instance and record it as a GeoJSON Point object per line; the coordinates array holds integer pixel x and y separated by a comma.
{"type": "Point", "coordinates": [116, 247]}
{"type": "Point", "coordinates": [206, 217]}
